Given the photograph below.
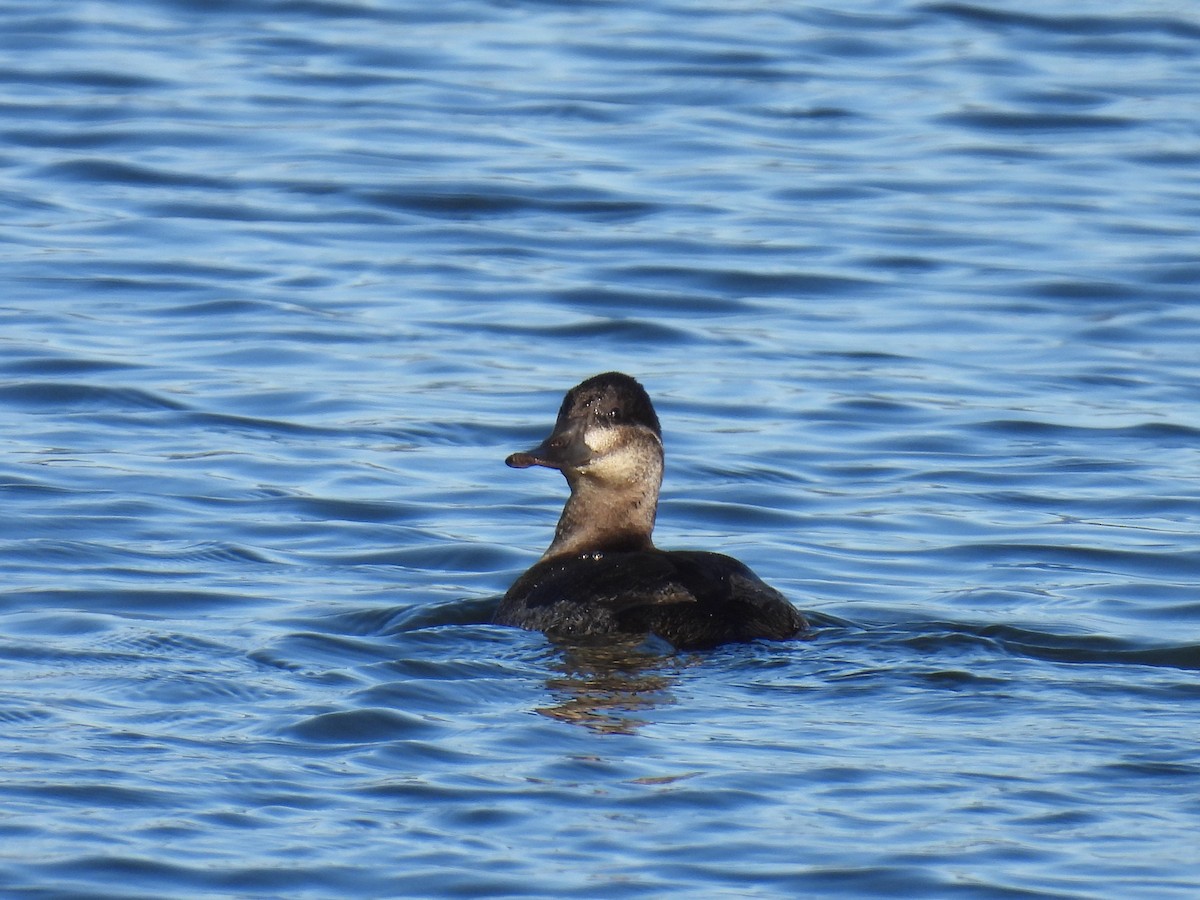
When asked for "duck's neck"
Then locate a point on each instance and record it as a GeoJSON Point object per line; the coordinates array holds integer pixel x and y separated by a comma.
{"type": "Point", "coordinates": [601, 518]}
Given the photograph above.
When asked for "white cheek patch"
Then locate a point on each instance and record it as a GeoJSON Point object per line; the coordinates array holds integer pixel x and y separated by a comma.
{"type": "Point", "coordinates": [618, 458]}
{"type": "Point", "coordinates": [602, 440]}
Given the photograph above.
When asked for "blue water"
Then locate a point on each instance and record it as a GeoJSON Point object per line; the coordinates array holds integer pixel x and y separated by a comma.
{"type": "Point", "coordinates": [915, 288]}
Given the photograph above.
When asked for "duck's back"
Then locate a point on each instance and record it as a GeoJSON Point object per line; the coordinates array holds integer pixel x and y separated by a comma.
{"type": "Point", "coordinates": [692, 599]}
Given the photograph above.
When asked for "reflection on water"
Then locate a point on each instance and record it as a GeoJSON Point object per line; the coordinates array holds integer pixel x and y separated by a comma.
{"type": "Point", "coordinates": [605, 687]}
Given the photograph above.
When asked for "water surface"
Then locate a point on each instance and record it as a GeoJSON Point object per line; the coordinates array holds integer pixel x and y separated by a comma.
{"type": "Point", "coordinates": [914, 288]}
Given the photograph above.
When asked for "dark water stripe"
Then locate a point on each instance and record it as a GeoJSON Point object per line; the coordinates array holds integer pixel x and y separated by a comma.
{"type": "Point", "coordinates": [115, 875]}
{"type": "Point", "coordinates": [1083, 25]}
{"type": "Point", "coordinates": [743, 282]}
{"type": "Point", "coordinates": [56, 395]}
{"type": "Point", "coordinates": [1157, 564]}
{"type": "Point", "coordinates": [609, 301]}
{"type": "Point", "coordinates": [56, 365]}
{"type": "Point", "coordinates": [489, 201]}
{"type": "Point", "coordinates": [229, 421]}
{"type": "Point", "coordinates": [1153, 431]}
{"type": "Point", "coordinates": [99, 795]}
{"type": "Point", "coordinates": [84, 79]}
{"type": "Point", "coordinates": [260, 211]}
{"type": "Point", "coordinates": [164, 601]}
{"type": "Point", "coordinates": [58, 552]}
{"type": "Point", "coordinates": [1023, 122]}
{"type": "Point", "coordinates": [362, 726]}
{"type": "Point", "coordinates": [62, 137]}
{"type": "Point", "coordinates": [1054, 647]}
{"type": "Point", "coordinates": [103, 170]}
{"type": "Point", "coordinates": [622, 330]}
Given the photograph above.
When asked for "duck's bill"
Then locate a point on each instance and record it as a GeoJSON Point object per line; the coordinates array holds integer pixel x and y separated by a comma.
{"type": "Point", "coordinates": [524, 460]}
{"type": "Point", "coordinates": [564, 449]}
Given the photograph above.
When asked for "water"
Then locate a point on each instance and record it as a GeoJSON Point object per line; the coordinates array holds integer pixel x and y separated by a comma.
{"type": "Point", "coordinates": [914, 287]}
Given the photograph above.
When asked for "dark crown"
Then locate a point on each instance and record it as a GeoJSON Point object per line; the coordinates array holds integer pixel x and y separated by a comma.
{"type": "Point", "coordinates": [610, 398]}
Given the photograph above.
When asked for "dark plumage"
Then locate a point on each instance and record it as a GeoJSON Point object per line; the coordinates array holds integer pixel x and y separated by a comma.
{"type": "Point", "coordinates": [602, 574]}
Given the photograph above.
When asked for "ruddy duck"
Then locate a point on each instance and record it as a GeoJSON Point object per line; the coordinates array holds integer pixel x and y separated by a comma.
{"type": "Point", "coordinates": [602, 574]}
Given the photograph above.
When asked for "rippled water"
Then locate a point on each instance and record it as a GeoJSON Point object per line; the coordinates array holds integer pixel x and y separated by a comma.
{"type": "Point", "coordinates": [914, 287]}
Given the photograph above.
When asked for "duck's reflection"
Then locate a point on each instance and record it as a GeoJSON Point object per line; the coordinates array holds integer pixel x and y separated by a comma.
{"type": "Point", "coordinates": [605, 687]}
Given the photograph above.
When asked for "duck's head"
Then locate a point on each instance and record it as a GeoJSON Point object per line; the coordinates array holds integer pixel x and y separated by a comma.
{"type": "Point", "coordinates": [608, 444]}
{"type": "Point", "coordinates": [606, 431]}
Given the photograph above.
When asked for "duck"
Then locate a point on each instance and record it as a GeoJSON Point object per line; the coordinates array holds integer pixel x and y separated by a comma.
{"type": "Point", "coordinates": [602, 577]}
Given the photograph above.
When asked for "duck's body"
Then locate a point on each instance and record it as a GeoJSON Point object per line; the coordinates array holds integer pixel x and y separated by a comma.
{"type": "Point", "coordinates": [602, 573]}
{"type": "Point", "coordinates": [691, 599]}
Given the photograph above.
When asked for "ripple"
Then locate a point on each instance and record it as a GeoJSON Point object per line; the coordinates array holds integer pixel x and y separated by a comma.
{"type": "Point", "coordinates": [744, 283]}
{"type": "Point", "coordinates": [165, 602]}
{"type": "Point", "coordinates": [94, 80]}
{"type": "Point", "coordinates": [662, 303]}
{"type": "Point", "coordinates": [361, 726]}
{"type": "Point", "coordinates": [1020, 122]}
{"type": "Point", "coordinates": [104, 795]}
{"type": "Point", "coordinates": [1082, 649]}
{"type": "Point", "coordinates": [102, 170]}
{"type": "Point", "coordinates": [620, 332]}
{"type": "Point", "coordinates": [56, 394]}
{"type": "Point", "coordinates": [53, 365]}
{"type": "Point", "coordinates": [1069, 24]}
{"type": "Point", "coordinates": [457, 612]}
{"type": "Point", "coordinates": [453, 202]}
